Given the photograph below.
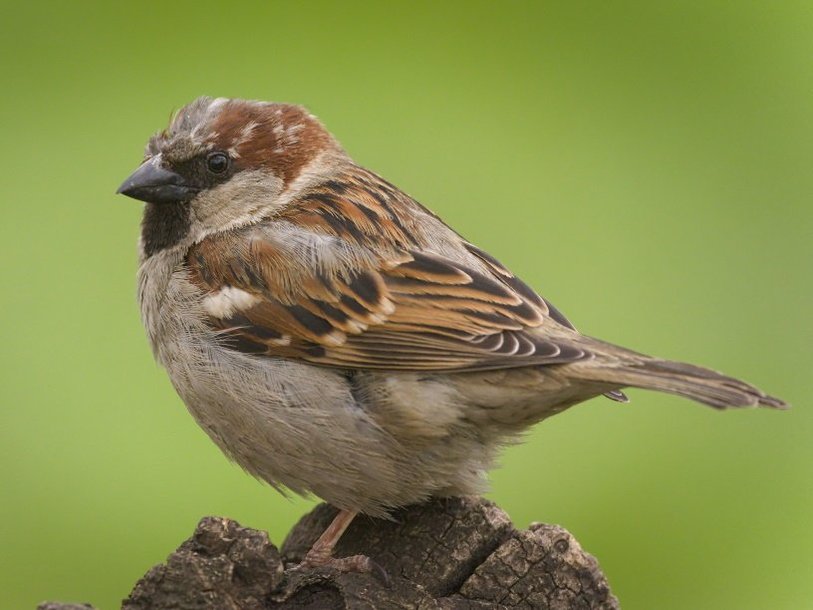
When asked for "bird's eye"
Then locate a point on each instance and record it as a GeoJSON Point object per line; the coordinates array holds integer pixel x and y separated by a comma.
{"type": "Point", "coordinates": [217, 162]}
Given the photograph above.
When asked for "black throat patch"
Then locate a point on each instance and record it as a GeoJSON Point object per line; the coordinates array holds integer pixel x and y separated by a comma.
{"type": "Point", "coordinates": [164, 225]}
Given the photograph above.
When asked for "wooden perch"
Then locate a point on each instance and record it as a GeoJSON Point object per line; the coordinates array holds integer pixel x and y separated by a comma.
{"type": "Point", "coordinates": [451, 554]}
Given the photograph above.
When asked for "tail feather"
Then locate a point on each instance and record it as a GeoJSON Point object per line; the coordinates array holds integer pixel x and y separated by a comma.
{"type": "Point", "coordinates": [703, 385]}
{"type": "Point", "coordinates": [630, 369]}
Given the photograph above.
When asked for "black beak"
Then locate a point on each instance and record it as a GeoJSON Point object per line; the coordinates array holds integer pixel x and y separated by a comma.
{"type": "Point", "coordinates": [154, 184]}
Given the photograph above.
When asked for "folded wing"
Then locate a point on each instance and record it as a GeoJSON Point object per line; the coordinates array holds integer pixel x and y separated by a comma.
{"type": "Point", "coordinates": [284, 292]}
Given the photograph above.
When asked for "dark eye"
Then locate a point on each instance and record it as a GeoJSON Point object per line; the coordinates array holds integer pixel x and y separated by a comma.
{"type": "Point", "coordinates": [217, 162]}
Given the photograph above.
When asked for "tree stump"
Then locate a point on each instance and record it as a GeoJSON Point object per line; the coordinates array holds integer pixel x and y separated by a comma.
{"type": "Point", "coordinates": [448, 554]}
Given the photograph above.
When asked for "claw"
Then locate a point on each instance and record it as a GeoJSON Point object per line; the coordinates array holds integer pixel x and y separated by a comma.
{"type": "Point", "coordinates": [321, 553]}
{"type": "Point", "coordinates": [355, 564]}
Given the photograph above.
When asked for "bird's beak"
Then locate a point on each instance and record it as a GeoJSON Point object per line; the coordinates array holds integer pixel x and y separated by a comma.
{"type": "Point", "coordinates": [154, 184]}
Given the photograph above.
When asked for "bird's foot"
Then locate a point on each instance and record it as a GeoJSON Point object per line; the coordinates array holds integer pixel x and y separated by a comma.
{"type": "Point", "coordinates": [354, 564]}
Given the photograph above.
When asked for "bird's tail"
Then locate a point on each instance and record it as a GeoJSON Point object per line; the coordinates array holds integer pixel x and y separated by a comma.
{"type": "Point", "coordinates": [619, 367]}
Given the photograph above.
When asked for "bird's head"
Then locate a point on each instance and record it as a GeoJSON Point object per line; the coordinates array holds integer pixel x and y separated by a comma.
{"type": "Point", "coordinates": [221, 163]}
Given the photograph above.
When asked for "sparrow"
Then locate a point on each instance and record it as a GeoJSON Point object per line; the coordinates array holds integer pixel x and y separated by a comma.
{"type": "Point", "coordinates": [336, 338]}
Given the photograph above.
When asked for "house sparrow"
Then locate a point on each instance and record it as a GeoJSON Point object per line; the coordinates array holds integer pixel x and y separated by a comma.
{"type": "Point", "coordinates": [335, 337]}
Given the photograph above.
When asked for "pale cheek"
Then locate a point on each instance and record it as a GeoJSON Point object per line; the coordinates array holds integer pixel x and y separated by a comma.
{"type": "Point", "coordinates": [226, 301]}
{"type": "Point", "coordinates": [240, 201]}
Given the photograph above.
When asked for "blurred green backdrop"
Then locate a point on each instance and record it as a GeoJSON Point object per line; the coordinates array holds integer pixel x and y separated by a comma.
{"type": "Point", "coordinates": [647, 166]}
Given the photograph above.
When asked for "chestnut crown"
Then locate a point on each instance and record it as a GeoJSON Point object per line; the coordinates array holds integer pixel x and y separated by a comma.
{"type": "Point", "coordinates": [211, 140]}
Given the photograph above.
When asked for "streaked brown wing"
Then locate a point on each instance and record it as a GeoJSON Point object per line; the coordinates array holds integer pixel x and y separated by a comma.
{"type": "Point", "coordinates": [408, 311]}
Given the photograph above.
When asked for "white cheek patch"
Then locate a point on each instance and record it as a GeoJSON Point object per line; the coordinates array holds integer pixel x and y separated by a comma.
{"type": "Point", "coordinates": [225, 301]}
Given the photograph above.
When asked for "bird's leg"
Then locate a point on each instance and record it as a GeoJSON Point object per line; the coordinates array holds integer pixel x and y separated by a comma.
{"type": "Point", "coordinates": [321, 553]}
{"type": "Point", "coordinates": [322, 550]}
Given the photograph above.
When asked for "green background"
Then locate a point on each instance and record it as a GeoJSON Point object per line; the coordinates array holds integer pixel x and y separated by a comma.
{"type": "Point", "coordinates": [646, 166]}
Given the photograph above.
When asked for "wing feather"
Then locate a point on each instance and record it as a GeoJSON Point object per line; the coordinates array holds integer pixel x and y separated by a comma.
{"type": "Point", "coordinates": [319, 292]}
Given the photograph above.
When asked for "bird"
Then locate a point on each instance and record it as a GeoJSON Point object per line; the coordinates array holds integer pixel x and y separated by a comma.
{"type": "Point", "coordinates": [336, 338]}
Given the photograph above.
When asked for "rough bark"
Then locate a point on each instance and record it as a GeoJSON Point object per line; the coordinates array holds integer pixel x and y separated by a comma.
{"type": "Point", "coordinates": [451, 554]}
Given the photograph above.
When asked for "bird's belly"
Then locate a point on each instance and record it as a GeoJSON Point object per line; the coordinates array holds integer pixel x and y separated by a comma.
{"type": "Point", "coordinates": [305, 427]}
{"type": "Point", "coordinates": [285, 422]}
